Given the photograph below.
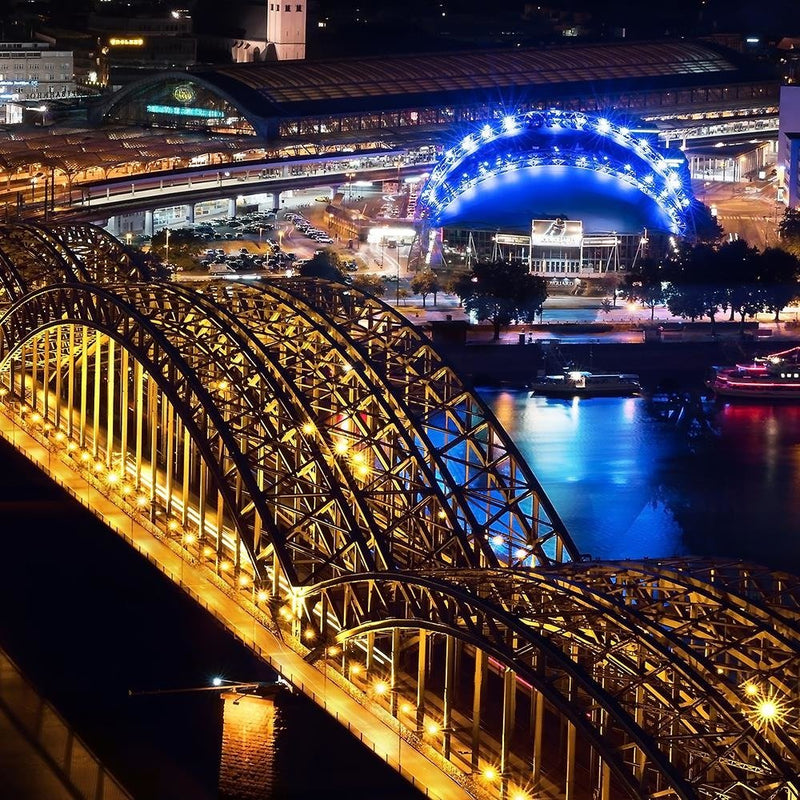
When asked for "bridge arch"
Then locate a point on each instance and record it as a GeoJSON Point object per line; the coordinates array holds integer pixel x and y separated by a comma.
{"type": "Point", "coordinates": [473, 455]}
{"type": "Point", "coordinates": [654, 679]}
{"type": "Point", "coordinates": [564, 139]}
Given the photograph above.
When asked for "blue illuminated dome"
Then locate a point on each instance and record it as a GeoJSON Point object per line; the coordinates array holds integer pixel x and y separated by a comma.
{"type": "Point", "coordinates": [547, 164]}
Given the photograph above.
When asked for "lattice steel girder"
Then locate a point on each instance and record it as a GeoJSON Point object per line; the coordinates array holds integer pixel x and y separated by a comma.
{"type": "Point", "coordinates": [465, 435]}
{"type": "Point", "coordinates": [474, 499]}
{"type": "Point", "coordinates": [105, 258]}
{"type": "Point", "coordinates": [174, 356]}
{"type": "Point", "coordinates": [38, 257]}
{"type": "Point", "coordinates": [379, 602]}
{"type": "Point", "coordinates": [662, 685]}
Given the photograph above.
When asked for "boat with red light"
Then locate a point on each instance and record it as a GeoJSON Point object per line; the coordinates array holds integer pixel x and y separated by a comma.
{"type": "Point", "coordinates": [772, 377]}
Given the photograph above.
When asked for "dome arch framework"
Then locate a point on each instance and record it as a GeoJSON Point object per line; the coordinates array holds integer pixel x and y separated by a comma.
{"type": "Point", "coordinates": [594, 143]}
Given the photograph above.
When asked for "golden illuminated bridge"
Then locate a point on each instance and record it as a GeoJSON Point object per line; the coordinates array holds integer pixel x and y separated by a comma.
{"type": "Point", "coordinates": [303, 449]}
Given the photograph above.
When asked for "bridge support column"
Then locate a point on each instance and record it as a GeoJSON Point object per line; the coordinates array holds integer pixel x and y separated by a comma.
{"type": "Point", "coordinates": [112, 226]}
{"type": "Point", "coordinates": [148, 223]}
{"type": "Point", "coordinates": [422, 667]}
{"type": "Point", "coordinates": [231, 207]}
{"type": "Point", "coordinates": [449, 672]}
{"type": "Point", "coordinates": [246, 769]}
{"type": "Point", "coordinates": [537, 723]}
{"type": "Point", "coordinates": [481, 672]}
{"type": "Point", "coordinates": [509, 712]}
{"type": "Point", "coordinates": [190, 212]}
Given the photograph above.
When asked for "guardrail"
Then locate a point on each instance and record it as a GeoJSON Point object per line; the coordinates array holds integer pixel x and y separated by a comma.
{"type": "Point", "coordinates": [54, 740]}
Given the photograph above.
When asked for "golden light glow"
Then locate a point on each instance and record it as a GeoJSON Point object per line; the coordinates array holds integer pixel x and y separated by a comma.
{"type": "Point", "coordinates": [522, 553]}
{"type": "Point", "coordinates": [341, 447]}
{"type": "Point", "coordinates": [72, 447]}
{"type": "Point", "coordinates": [85, 455]}
{"type": "Point", "coordinates": [225, 565]}
{"type": "Point", "coordinates": [309, 635]}
{"type": "Point", "coordinates": [750, 689]}
{"type": "Point", "coordinates": [112, 478]}
{"type": "Point", "coordinates": [142, 501]}
{"type": "Point", "coordinates": [358, 458]}
{"type": "Point", "coordinates": [767, 709]}
{"type": "Point", "coordinates": [355, 669]}
{"type": "Point", "coordinates": [308, 428]}
{"type": "Point", "coordinates": [207, 551]}
{"type": "Point", "coordinates": [489, 773]}
{"type": "Point", "coordinates": [497, 540]}
{"type": "Point", "coordinates": [36, 417]}
{"type": "Point", "coordinates": [334, 651]}
{"type": "Point", "coordinates": [432, 728]}
{"type": "Point", "coordinates": [244, 580]}
{"type": "Point", "coordinates": [362, 470]}
{"type": "Point", "coordinates": [173, 525]}
{"type": "Point", "coordinates": [116, 41]}
{"type": "Point", "coordinates": [520, 796]}
{"type": "Point", "coordinates": [285, 612]}
{"type": "Point", "coordinates": [406, 708]}
{"type": "Point", "coordinates": [223, 385]}
{"type": "Point", "coordinates": [189, 538]}
{"type": "Point", "coordinates": [3, 391]}
{"type": "Point", "coordinates": [381, 688]}
{"type": "Point", "coordinates": [98, 466]}
{"type": "Point", "coordinates": [442, 515]}
{"type": "Point", "coordinates": [60, 436]}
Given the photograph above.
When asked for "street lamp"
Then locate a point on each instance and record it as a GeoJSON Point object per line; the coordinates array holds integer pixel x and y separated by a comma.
{"type": "Point", "coordinates": [166, 236]}
{"type": "Point", "coordinates": [128, 238]}
{"type": "Point", "coordinates": [33, 189]}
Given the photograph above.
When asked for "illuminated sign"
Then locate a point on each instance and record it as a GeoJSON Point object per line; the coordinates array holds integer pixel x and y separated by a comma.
{"type": "Point", "coordinates": [181, 111]}
{"type": "Point", "coordinates": [115, 42]}
{"type": "Point", "coordinates": [557, 232]}
{"type": "Point", "coordinates": [7, 84]}
{"type": "Point", "coordinates": [508, 238]}
{"type": "Point", "coordinates": [184, 93]}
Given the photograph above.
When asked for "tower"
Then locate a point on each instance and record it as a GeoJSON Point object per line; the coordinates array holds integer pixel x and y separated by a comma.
{"type": "Point", "coordinates": [286, 28]}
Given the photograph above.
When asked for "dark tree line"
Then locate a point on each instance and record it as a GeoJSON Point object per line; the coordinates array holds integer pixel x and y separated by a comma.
{"type": "Point", "coordinates": [706, 281]}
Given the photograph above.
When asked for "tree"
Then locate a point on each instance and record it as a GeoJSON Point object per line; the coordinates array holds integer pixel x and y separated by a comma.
{"type": "Point", "coordinates": [706, 226]}
{"type": "Point", "coordinates": [610, 282]}
{"type": "Point", "coordinates": [369, 284]}
{"type": "Point", "coordinates": [425, 283]}
{"type": "Point", "coordinates": [325, 264]}
{"type": "Point", "coordinates": [646, 285]}
{"type": "Point", "coordinates": [606, 305]}
{"type": "Point", "coordinates": [697, 283]}
{"type": "Point", "coordinates": [502, 292]}
{"type": "Point", "coordinates": [779, 271]}
{"type": "Point", "coordinates": [184, 247]}
{"type": "Point", "coordinates": [789, 231]}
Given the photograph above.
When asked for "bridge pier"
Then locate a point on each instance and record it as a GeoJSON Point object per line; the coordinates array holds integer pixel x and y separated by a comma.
{"type": "Point", "coordinates": [148, 223]}
{"type": "Point", "coordinates": [190, 212]}
{"type": "Point", "coordinates": [112, 226]}
{"type": "Point", "coordinates": [231, 207]}
{"type": "Point", "coordinates": [246, 770]}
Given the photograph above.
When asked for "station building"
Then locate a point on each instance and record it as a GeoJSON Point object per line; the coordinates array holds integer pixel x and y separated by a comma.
{"type": "Point", "coordinates": [387, 101]}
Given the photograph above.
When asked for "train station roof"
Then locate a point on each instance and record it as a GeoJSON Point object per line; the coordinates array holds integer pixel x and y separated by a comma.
{"type": "Point", "coordinates": [294, 88]}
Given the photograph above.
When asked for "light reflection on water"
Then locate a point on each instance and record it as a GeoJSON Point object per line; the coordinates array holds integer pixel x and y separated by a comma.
{"type": "Point", "coordinates": [629, 485]}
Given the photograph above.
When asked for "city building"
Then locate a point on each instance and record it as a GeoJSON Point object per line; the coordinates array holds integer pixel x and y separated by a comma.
{"type": "Point", "coordinates": [275, 32]}
{"type": "Point", "coordinates": [348, 102]}
{"type": "Point", "coordinates": [31, 73]}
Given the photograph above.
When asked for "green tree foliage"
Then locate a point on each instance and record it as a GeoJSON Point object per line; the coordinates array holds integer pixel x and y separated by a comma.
{"type": "Point", "coordinates": [705, 225]}
{"type": "Point", "coordinates": [645, 285]}
{"type": "Point", "coordinates": [369, 284]}
{"type": "Point", "coordinates": [184, 247]}
{"type": "Point", "coordinates": [789, 231]}
{"type": "Point", "coordinates": [502, 292]}
{"type": "Point", "coordinates": [325, 264]}
{"type": "Point", "coordinates": [704, 280]}
{"type": "Point", "coordinates": [779, 273]}
{"type": "Point", "coordinates": [426, 283]}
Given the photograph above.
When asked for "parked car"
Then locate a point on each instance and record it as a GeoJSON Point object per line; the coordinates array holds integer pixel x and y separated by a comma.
{"type": "Point", "coordinates": [220, 268]}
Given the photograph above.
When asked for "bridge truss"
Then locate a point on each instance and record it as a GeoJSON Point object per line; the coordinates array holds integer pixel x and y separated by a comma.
{"type": "Point", "coordinates": [310, 447]}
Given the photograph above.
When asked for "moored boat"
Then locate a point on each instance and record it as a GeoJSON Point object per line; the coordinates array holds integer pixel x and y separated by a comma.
{"type": "Point", "coordinates": [579, 383]}
{"type": "Point", "coordinates": [771, 377]}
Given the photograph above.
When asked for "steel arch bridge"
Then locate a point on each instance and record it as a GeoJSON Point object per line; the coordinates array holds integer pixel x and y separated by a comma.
{"type": "Point", "coordinates": [310, 447]}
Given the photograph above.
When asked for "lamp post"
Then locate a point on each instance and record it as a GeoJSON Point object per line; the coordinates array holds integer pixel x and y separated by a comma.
{"type": "Point", "coordinates": [166, 236]}
{"type": "Point", "coordinates": [128, 238]}
{"type": "Point", "coordinates": [33, 189]}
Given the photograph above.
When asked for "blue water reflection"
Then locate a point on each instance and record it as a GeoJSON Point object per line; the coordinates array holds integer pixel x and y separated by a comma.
{"type": "Point", "coordinates": [628, 484]}
{"type": "Point", "coordinates": [598, 461]}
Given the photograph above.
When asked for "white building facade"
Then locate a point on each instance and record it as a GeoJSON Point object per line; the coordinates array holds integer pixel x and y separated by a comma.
{"type": "Point", "coordinates": [30, 72]}
{"type": "Point", "coordinates": [285, 35]}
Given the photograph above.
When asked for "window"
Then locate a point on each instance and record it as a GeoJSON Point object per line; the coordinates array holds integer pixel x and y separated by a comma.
{"type": "Point", "coordinates": [298, 8]}
{"type": "Point", "coordinates": [287, 7]}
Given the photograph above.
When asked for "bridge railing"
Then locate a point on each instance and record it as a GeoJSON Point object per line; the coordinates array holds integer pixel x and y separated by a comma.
{"type": "Point", "coordinates": [53, 738]}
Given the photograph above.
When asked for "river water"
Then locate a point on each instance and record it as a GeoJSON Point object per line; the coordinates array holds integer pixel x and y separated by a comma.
{"type": "Point", "coordinates": [88, 620]}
